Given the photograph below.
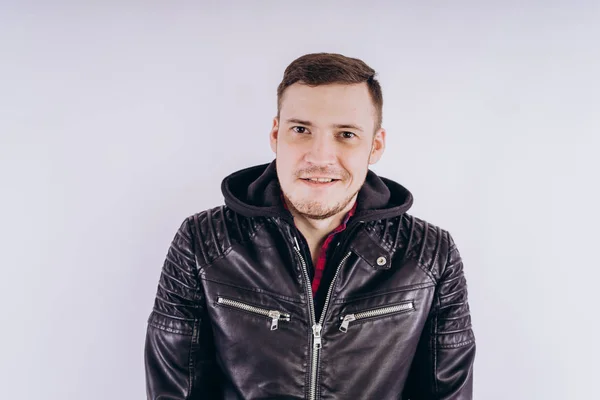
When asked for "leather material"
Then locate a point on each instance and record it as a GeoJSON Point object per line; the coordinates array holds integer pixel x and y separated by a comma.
{"type": "Point", "coordinates": [200, 346]}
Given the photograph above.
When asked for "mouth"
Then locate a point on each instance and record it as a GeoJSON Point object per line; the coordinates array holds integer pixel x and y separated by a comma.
{"type": "Point", "coordinates": [319, 182]}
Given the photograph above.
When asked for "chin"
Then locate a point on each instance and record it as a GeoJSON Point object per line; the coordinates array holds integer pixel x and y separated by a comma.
{"type": "Point", "coordinates": [317, 209]}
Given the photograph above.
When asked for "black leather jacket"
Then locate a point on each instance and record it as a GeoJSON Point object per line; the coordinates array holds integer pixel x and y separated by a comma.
{"type": "Point", "coordinates": [234, 316]}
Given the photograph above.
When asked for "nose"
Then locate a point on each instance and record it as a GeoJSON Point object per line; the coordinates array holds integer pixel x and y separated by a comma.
{"type": "Point", "coordinates": [321, 150]}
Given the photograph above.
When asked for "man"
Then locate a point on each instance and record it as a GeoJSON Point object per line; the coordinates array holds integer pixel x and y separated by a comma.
{"type": "Point", "coordinates": [312, 281]}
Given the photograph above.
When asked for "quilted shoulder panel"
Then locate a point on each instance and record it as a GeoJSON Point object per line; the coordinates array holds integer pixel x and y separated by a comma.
{"type": "Point", "coordinates": [413, 238]}
{"type": "Point", "coordinates": [217, 229]}
{"type": "Point", "coordinates": [428, 244]}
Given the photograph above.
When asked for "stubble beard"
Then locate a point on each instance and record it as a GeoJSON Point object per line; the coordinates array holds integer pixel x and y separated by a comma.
{"type": "Point", "coordinates": [316, 210]}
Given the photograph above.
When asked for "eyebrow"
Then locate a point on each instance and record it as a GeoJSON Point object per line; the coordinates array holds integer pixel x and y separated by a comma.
{"type": "Point", "coordinates": [337, 126]}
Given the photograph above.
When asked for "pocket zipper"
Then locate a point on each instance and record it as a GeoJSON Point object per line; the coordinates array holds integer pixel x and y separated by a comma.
{"type": "Point", "coordinates": [346, 319]}
{"type": "Point", "coordinates": [275, 315]}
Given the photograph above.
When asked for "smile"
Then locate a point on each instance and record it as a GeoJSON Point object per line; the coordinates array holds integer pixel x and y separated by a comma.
{"type": "Point", "coordinates": [319, 179]}
{"type": "Point", "coordinates": [319, 182]}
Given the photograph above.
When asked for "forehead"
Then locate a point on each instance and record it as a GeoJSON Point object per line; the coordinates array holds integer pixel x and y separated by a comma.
{"type": "Point", "coordinates": [339, 103]}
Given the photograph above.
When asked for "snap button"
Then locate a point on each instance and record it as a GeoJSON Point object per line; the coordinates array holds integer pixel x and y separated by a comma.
{"type": "Point", "coordinates": [381, 261]}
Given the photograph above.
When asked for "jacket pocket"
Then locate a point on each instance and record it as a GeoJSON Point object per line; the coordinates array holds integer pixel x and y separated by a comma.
{"type": "Point", "coordinates": [375, 313]}
{"type": "Point", "coordinates": [274, 315]}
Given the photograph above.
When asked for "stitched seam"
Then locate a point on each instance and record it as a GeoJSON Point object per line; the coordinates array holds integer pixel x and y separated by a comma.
{"type": "Point", "coordinates": [172, 316]}
{"type": "Point", "coordinates": [427, 272]}
{"type": "Point", "coordinates": [224, 254]}
{"type": "Point", "coordinates": [424, 244]}
{"type": "Point", "coordinates": [261, 226]}
{"type": "Point", "coordinates": [236, 218]}
{"type": "Point", "coordinates": [410, 236]}
{"type": "Point", "coordinates": [200, 240]}
{"type": "Point", "coordinates": [198, 296]}
{"type": "Point", "coordinates": [187, 239]}
{"type": "Point", "coordinates": [170, 291]}
{"type": "Point", "coordinates": [457, 318]}
{"type": "Point", "coordinates": [255, 290]}
{"type": "Point", "coordinates": [454, 263]}
{"type": "Point", "coordinates": [452, 304]}
{"type": "Point", "coordinates": [452, 279]}
{"type": "Point", "coordinates": [177, 251]}
{"type": "Point", "coordinates": [385, 230]}
{"type": "Point", "coordinates": [451, 294]}
{"type": "Point", "coordinates": [174, 304]}
{"type": "Point", "coordinates": [225, 228]}
{"type": "Point", "coordinates": [437, 247]}
{"type": "Point", "coordinates": [168, 329]}
{"type": "Point", "coordinates": [177, 280]}
{"type": "Point", "coordinates": [421, 252]}
{"type": "Point", "coordinates": [383, 292]}
{"type": "Point", "coordinates": [183, 271]}
{"type": "Point", "coordinates": [434, 346]}
{"type": "Point", "coordinates": [195, 331]}
{"type": "Point", "coordinates": [191, 361]}
{"type": "Point", "coordinates": [379, 241]}
{"type": "Point", "coordinates": [455, 331]}
{"type": "Point", "coordinates": [201, 268]}
{"type": "Point", "coordinates": [398, 229]}
{"type": "Point", "coordinates": [211, 228]}
{"type": "Point", "coordinates": [461, 344]}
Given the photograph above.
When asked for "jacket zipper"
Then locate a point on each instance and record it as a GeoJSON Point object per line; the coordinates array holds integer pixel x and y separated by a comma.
{"type": "Point", "coordinates": [275, 315]}
{"type": "Point", "coordinates": [378, 312]}
{"type": "Point", "coordinates": [316, 326]}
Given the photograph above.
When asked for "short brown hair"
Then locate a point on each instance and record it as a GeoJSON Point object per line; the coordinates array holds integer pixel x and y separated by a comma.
{"type": "Point", "coordinates": [323, 68]}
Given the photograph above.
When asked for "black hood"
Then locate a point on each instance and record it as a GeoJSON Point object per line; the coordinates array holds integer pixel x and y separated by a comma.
{"type": "Point", "coordinates": [255, 192]}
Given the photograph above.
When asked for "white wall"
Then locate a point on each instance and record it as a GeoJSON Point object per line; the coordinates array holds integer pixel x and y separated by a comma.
{"type": "Point", "coordinates": [119, 119]}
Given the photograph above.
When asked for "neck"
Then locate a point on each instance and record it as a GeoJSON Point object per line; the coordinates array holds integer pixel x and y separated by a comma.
{"type": "Point", "coordinates": [316, 230]}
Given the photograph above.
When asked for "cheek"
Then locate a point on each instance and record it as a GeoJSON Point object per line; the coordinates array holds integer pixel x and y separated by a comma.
{"type": "Point", "coordinates": [287, 165]}
{"type": "Point", "coordinates": [290, 156]}
{"type": "Point", "coordinates": [356, 165]}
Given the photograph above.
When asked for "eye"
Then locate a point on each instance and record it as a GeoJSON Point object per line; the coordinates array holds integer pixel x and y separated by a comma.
{"type": "Point", "coordinates": [348, 135]}
{"type": "Point", "coordinates": [299, 129]}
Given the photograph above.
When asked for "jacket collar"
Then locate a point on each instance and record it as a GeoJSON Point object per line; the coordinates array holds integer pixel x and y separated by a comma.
{"type": "Point", "coordinates": [255, 192]}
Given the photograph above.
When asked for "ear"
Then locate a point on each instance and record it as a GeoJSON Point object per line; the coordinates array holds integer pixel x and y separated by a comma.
{"type": "Point", "coordinates": [274, 134]}
{"type": "Point", "coordinates": [378, 146]}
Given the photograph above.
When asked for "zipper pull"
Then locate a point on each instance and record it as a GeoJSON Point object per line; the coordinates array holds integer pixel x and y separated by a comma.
{"type": "Point", "coordinates": [275, 315]}
{"type": "Point", "coordinates": [316, 328]}
{"type": "Point", "coordinates": [346, 321]}
{"type": "Point", "coordinates": [297, 245]}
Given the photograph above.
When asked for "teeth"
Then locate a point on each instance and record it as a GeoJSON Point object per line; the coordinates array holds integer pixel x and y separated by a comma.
{"type": "Point", "coordinates": [320, 180]}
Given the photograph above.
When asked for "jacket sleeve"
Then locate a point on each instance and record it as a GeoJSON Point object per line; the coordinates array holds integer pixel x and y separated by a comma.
{"type": "Point", "coordinates": [179, 353]}
{"type": "Point", "coordinates": [442, 368]}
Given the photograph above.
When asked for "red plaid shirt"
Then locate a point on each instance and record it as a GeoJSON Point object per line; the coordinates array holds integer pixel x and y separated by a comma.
{"type": "Point", "coordinates": [320, 267]}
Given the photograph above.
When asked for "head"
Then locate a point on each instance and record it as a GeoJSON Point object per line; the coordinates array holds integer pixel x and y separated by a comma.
{"type": "Point", "coordinates": [328, 126]}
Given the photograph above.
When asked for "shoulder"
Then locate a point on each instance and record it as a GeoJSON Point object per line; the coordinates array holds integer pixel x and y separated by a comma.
{"type": "Point", "coordinates": [215, 230]}
{"type": "Point", "coordinates": [414, 238]}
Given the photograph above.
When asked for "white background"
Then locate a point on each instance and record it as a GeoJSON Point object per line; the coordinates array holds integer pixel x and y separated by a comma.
{"type": "Point", "coordinates": [119, 119]}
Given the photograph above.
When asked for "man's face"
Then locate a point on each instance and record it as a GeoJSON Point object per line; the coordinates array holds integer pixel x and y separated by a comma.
{"type": "Point", "coordinates": [326, 132]}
